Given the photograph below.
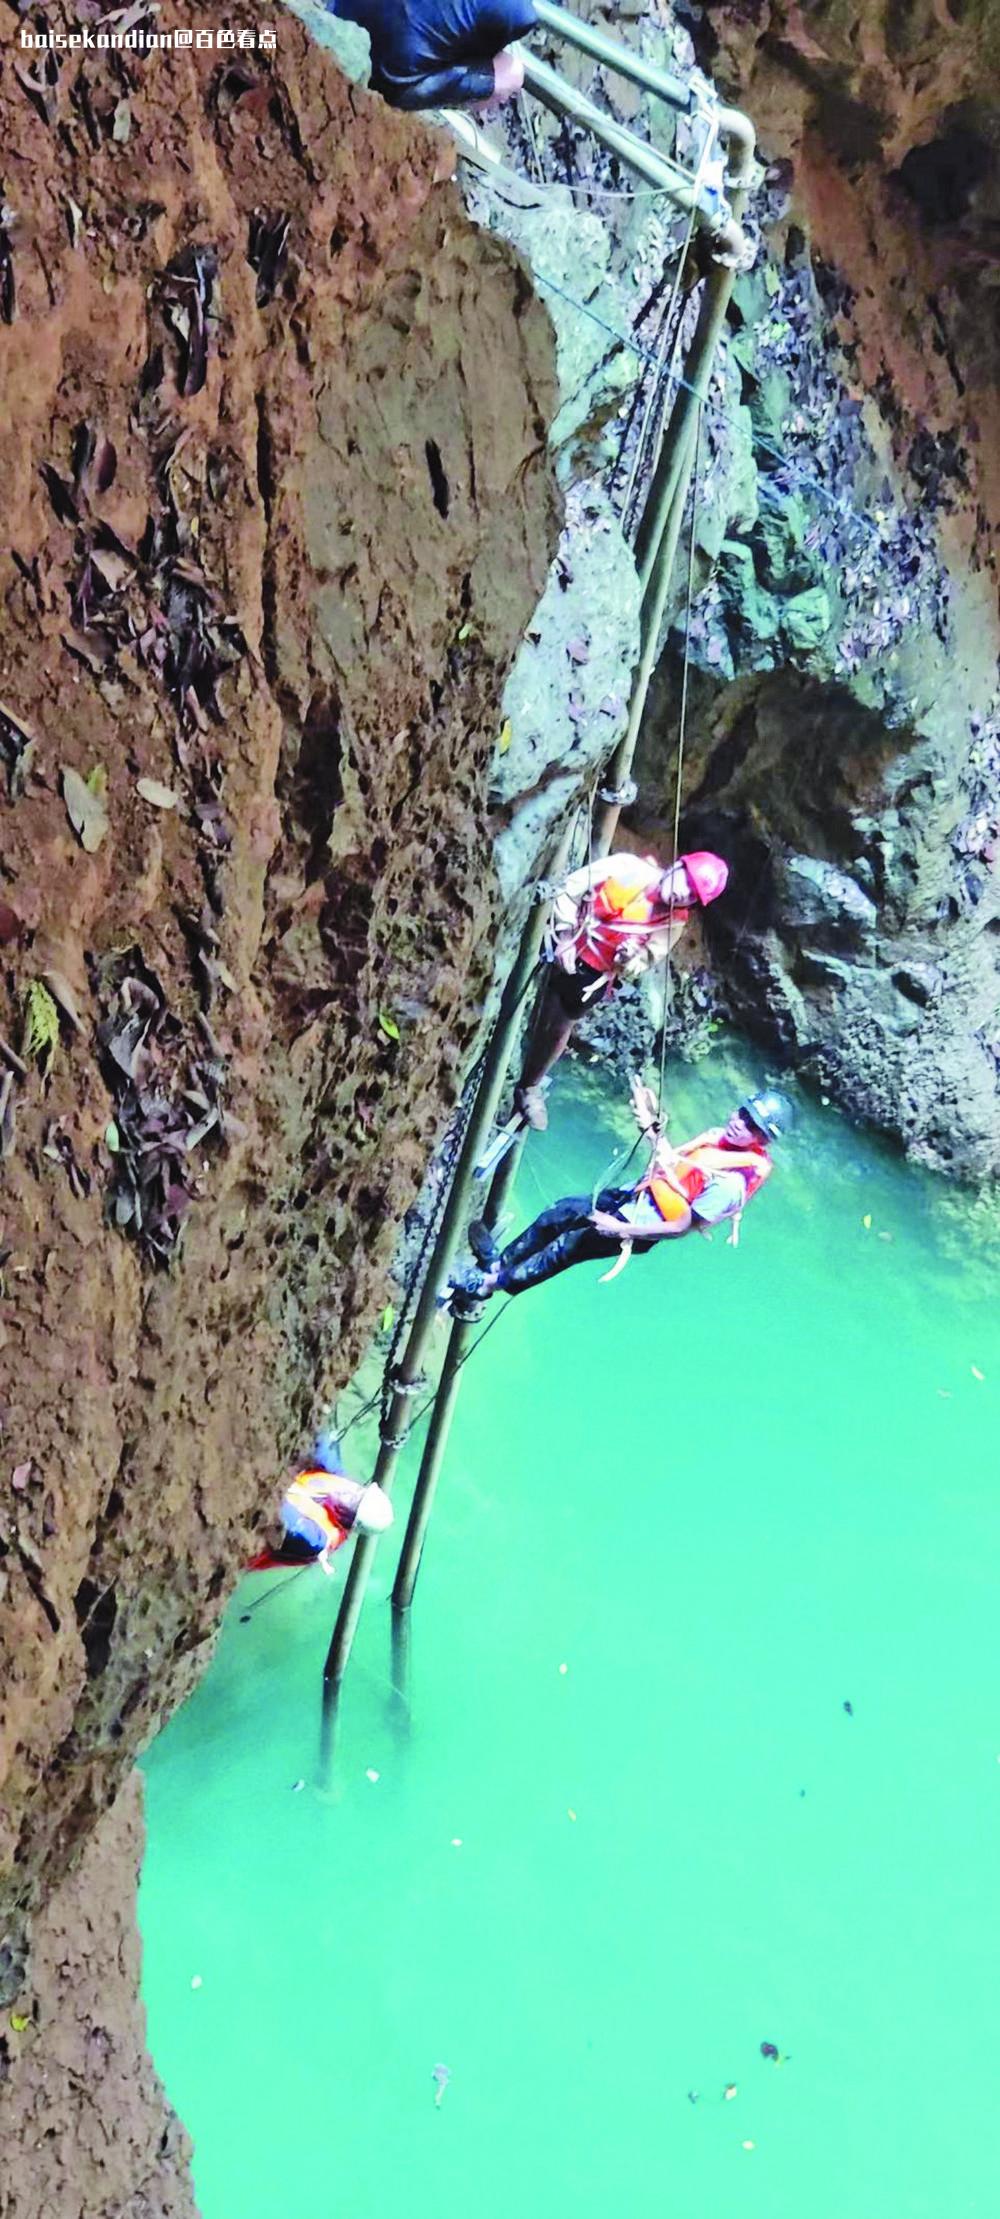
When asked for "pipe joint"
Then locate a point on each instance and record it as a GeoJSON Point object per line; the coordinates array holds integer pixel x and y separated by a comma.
{"type": "Point", "coordinates": [404, 1387]}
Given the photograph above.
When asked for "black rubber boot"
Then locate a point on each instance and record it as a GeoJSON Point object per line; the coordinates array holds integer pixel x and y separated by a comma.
{"type": "Point", "coordinates": [485, 1249]}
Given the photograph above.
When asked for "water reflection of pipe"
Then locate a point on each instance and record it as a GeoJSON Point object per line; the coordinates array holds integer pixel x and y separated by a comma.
{"type": "Point", "coordinates": [399, 1699]}
{"type": "Point", "coordinates": [328, 1729]}
{"type": "Point", "coordinates": [430, 1468]}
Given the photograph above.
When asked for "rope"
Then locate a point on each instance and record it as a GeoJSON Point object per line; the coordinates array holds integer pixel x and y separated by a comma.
{"type": "Point", "coordinates": [414, 1280]}
{"type": "Point", "coordinates": [587, 903]}
{"type": "Point", "coordinates": [477, 1343]}
{"type": "Point", "coordinates": [280, 1585]}
{"type": "Point", "coordinates": [668, 977]}
{"type": "Point", "coordinates": [344, 1430]}
{"type": "Point", "coordinates": [664, 373]}
{"type": "Point", "coordinates": [528, 127]}
{"type": "Point", "coordinates": [425, 1407]}
{"type": "Point", "coordinates": [617, 1166]}
{"type": "Point", "coordinates": [716, 414]}
{"type": "Point", "coordinates": [277, 1589]}
{"type": "Point", "coordinates": [614, 1172]}
{"type": "Point", "coordinates": [606, 192]}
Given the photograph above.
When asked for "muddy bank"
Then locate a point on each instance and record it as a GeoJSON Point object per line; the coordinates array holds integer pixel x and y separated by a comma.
{"type": "Point", "coordinates": [277, 508]}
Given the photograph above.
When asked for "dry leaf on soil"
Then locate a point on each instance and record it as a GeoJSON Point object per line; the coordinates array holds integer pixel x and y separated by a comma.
{"type": "Point", "coordinates": [161, 797]}
{"type": "Point", "coordinates": [85, 810]}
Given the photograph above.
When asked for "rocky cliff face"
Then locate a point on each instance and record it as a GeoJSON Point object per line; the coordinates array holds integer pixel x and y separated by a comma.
{"type": "Point", "coordinates": [277, 508]}
{"type": "Point", "coordinates": [843, 743]}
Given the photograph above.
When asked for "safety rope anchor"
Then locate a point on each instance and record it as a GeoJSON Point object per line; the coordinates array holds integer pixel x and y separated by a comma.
{"type": "Point", "coordinates": [394, 1440]}
{"type": "Point", "coordinates": [619, 797]}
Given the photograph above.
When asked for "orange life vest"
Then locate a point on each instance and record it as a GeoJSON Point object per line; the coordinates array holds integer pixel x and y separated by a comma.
{"type": "Point", "coordinates": [317, 1505]}
{"type": "Point", "coordinates": [618, 917]}
{"type": "Point", "coordinates": [696, 1167]}
{"type": "Point", "coordinates": [690, 1179]}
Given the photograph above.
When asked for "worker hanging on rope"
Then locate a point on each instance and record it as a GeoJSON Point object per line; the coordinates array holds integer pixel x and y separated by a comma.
{"type": "Point", "coordinates": [442, 53]}
{"type": "Point", "coordinates": [706, 1182]}
{"type": "Point", "coordinates": [319, 1509]}
{"type": "Point", "coordinates": [611, 920]}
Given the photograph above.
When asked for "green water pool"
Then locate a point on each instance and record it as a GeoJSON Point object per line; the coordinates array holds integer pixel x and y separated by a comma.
{"type": "Point", "coordinates": [625, 1830]}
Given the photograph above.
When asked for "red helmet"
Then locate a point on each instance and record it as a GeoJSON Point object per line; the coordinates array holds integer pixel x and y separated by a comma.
{"type": "Point", "coordinates": [708, 874]}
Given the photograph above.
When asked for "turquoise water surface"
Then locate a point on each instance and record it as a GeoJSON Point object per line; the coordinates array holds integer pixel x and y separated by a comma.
{"type": "Point", "coordinates": [625, 1830]}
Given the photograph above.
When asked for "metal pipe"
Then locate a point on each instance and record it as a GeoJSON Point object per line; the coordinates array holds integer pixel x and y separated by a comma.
{"type": "Point", "coordinates": [668, 504]}
{"type": "Point", "coordinates": [660, 527]}
{"type": "Point", "coordinates": [677, 184]}
{"type": "Point", "coordinates": [660, 531]}
{"type": "Point", "coordinates": [411, 1553]}
{"type": "Point", "coordinates": [691, 393]}
{"type": "Point", "coordinates": [654, 607]}
{"type": "Point", "coordinates": [615, 56]}
{"type": "Point", "coordinates": [408, 1371]}
{"type": "Point", "coordinates": [430, 1467]}
{"type": "Point", "coordinates": [473, 142]}
{"type": "Point", "coordinates": [503, 1178]}
{"type": "Point", "coordinates": [565, 100]}
{"type": "Point", "coordinates": [736, 128]}
{"type": "Point", "coordinates": [730, 123]}
{"type": "Point", "coordinates": [664, 509]}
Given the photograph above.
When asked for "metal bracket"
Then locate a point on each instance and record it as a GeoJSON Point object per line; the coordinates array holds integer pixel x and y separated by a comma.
{"type": "Point", "coordinates": [401, 1386]}
{"type": "Point", "coordinates": [619, 797]}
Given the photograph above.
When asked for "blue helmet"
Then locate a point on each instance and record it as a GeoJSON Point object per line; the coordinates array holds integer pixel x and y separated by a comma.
{"type": "Point", "coordinates": [771, 1112]}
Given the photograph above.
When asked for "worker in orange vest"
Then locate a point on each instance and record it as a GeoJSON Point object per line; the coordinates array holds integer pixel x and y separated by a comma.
{"type": "Point", "coordinates": [611, 920]}
{"type": "Point", "coordinates": [706, 1182]}
{"type": "Point", "coordinates": [319, 1509]}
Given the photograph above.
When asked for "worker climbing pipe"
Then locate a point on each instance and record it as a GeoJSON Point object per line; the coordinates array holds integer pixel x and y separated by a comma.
{"type": "Point", "coordinates": [430, 53]}
{"type": "Point", "coordinates": [320, 1507]}
{"type": "Point", "coordinates": [611, 920]}
{"type": "Point", "coordinates": [705, 1182]}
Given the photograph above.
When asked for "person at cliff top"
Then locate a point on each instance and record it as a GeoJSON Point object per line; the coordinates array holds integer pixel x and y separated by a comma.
{"type": "Point", "coordinates": [442, 53]}
{"type": "Point", "coordinates": [611, 920]}
{"type": "Point", "coordinates": [320, 1508]}
{"type": "Point", "coordinates": [706, 1182]}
